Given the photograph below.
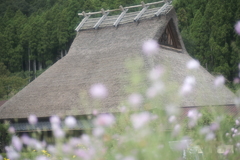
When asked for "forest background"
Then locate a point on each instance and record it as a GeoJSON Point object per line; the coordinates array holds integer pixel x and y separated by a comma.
{"type": "Point", "coordinates": [34, 34]}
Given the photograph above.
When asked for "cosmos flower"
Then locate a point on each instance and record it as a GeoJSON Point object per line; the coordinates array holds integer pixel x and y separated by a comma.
{"type": "Point", "coordinates": [140, 119]}
{"type": "Point", "coordinates": [135, 99]}
{"type": "Point", "coordinates": [70, 122]}
{"type": "Point", "coordinates": [32, 119]}
{"type": "Point", "coordinates": [150, 47]}
{"type": "Point", "coordinates": [193, 64]}
{"type": "Point", "coordinates": [11, 130]}
{"type": "Point", "coordinates": [188, 85]}
{"type": "Point", "coordinates": [98, 91]}
{"type": "Point", "coordinates": [41, 158]}
{"type": "Point", "coordinates": [55, 120]}
{"type": "Point", "coordinates": [155, 73]}
{"type": "Point", "coordinates": [17, 143]}
{"type": "Point", "coordinates": [219, 81]}
{"type": "Point", "coordinates": [237, 27]}
{"type": "Point", "coordinates": [104, 120]}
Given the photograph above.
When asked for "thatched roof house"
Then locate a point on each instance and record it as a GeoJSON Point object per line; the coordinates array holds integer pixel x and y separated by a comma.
{"type": "Point", "coordinates": [98, 54]}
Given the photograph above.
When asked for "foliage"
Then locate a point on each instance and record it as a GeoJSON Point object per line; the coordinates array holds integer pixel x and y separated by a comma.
{"type": "Point", "coordinates": [208, 33]}
{"type": "Point", "coordinates": [5, 137]}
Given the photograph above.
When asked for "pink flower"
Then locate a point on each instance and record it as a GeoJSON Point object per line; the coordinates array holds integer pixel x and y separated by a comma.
{"type": "Point", "coordinates": [150, 47]}
{"type": "Point", "coordinates": [32, 119]}
{"type": "Point", "coordinates": [193, 64]}
{"type": "Point", "coordinates": [70, 122]}
{"type": "Point", "coordinates": [156, 73]}
{"type": "Point", "coordinates": [214, 126]}
{"type": "Point", "coordinates": [17, 144]}
{"type": "Point", "coordinates": [135, 99]}
{"type": "Point", "coordinates": [11, 130]}
{"type": "Point", "coordinates": [237, 27]}
{"type": "Point", "coordinates": [104, 120]}
{"type": "Point", "coordinates": [25, 139]}
{"type": "Point", "coordinates": [83, 154]}
{"type": "Point", "coordinates": [95, 112]}
{"type": "Point", "coordinates": [140, 119]}
{"type": "Point", "coordinates": [123, 109]}
{"type": "Point", "coordinates": [66, 148]}
{"type": "Point", "coordinates": [219, 81]}
{"type": "Point", "coordinates": [55, 120]}
{"type": "Point", "coordinates": [193, 116]}
{"type": "Point", "coordinates": [98, 91]}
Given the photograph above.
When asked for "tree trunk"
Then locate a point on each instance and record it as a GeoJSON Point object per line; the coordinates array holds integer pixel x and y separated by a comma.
{"type": "Point", "coordinates": [61, 53]}
{"type": "Point", "coordinates": [66, 52]}
{"type": "Point", "coordinates": [40, 66]}
{"type": "Point", "coordinates": [29, 65]}
{"type": "Point", "coordinates": [34, 67]}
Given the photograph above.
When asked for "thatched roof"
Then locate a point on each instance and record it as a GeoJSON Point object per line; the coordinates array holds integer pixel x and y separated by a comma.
{"type": "Point", "coordinates": [99, 56]}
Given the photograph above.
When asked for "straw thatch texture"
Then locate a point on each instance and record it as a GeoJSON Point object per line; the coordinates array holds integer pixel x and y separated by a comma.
{"type": "Point", "coordinates": [99, 56]}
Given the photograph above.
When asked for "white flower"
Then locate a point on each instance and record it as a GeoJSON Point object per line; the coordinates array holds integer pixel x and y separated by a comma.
{"type": "Point", "coordinates": [98, 91]}
{"type": "Point", "coordinates": [32, 119]}
{"type": "Point", "coordinates": [129, 158]}
{"type": "Point", "coordinates": [219, 81]}
{"type": "Point", "coordinates": [188, 85]}
{"type": "Point", "coordinates": [70, 122]}
{"type": "Point", "coordinates": [150, 47]}
{"type": "Point", "coordinates": [210, 136]}
{"type": "Point", "coordinates": [172, 119]}
{"type": "Point", "coordinates": [140, 119]}
{"type": "Point", "coordinates": [193, 64]}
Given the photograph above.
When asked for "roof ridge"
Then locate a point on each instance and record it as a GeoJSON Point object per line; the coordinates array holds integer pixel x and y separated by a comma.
{"type": "Point", "coordinates": [123, 17]}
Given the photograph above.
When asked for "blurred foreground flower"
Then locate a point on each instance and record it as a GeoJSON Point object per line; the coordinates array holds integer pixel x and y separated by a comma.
{"type": "Point", "coordinates": [55, 120]}
{"type": "Point", "coordinates": [150, 47]}
{"type": "Point", "coordinates": [32, 119]}
{"type": "Point", "coordinates": [98, 91]}
{"type": "Point", "coordinates": [188, 85]}
{"type": "Point", "coordinates": [135, 99]}
{"type": "Point", "coordinates": [70, 122]}
{"type": "Point", "coordinates": [156, 73]}
{"type": "Point", "coordinates": [237, 27]}
{"type": "Point", "coordinates": [193, 116]}
{"type": "Point", "coordinates": [104, 120]}
{"type": "Point", "coordinates": [193, 64]}
{"type": "Point", "coordinates": [219, 81]}
{"type": "Point", "coordinates": [17, 144]}
{"type": "Point", "coordinates": [11, 130]}
{"type": "Point", "coordinates": [140, 119]}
